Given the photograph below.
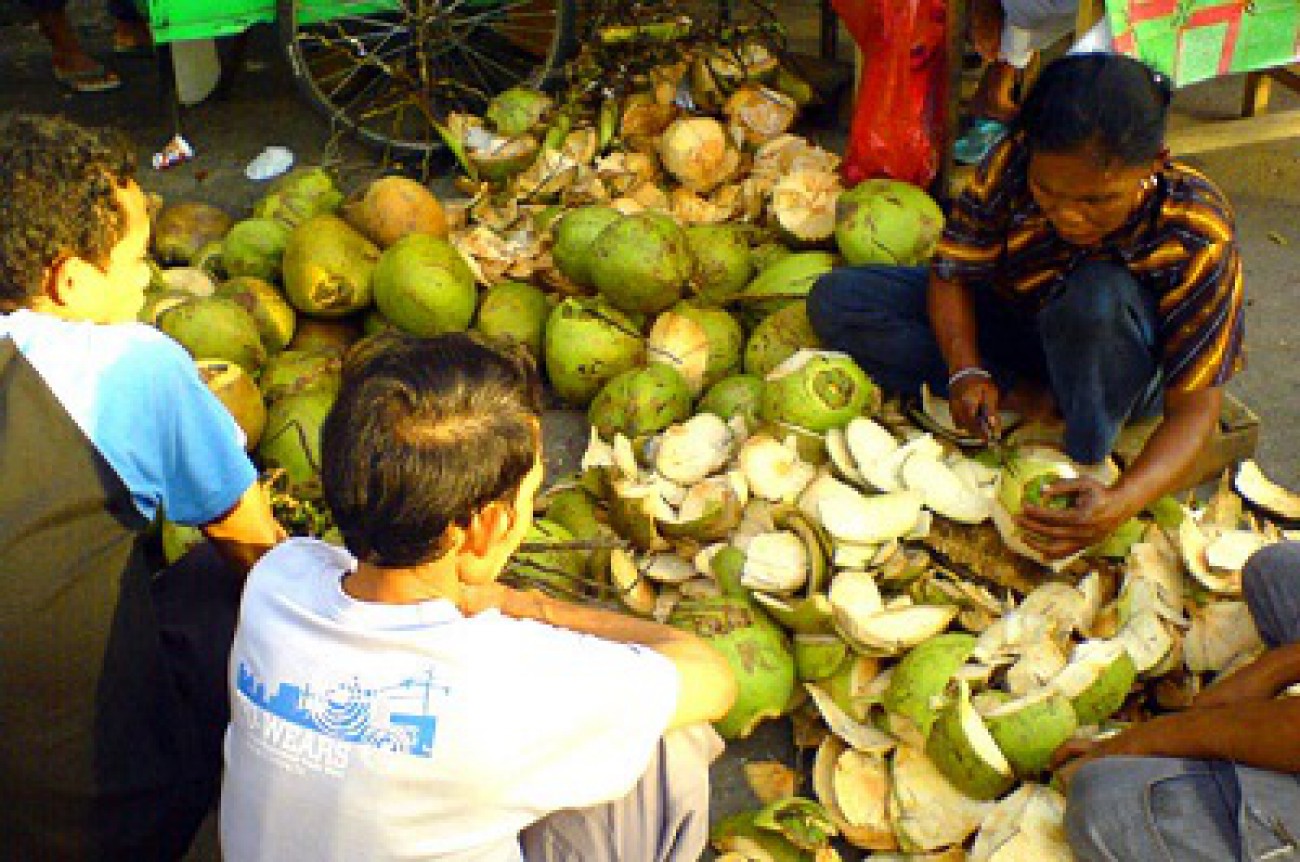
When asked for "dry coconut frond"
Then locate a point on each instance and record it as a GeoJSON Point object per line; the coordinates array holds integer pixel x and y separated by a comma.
{"type": "Point", "coordinates": [761, 113]}
{"type": "Point", "coordinates": [803, 204]}
{"type": "Point", "coordinates": [551, 173]}
{"type": "Point", "coordinates": [770, 780]}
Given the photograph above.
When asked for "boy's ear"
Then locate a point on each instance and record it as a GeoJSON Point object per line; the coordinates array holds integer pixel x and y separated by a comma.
{"type": "Point", "coordinates": [488, 528]}
{"type": "Point", "coordinates": [56, 282]}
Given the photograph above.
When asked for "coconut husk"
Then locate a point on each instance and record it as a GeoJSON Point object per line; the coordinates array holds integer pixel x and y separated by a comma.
{"type": "Point", "coordinates": [771, 780]}
{"type": "Point", "coordinates": [977, 553]}
{"type": "Point", "coordinates": [689, 208]}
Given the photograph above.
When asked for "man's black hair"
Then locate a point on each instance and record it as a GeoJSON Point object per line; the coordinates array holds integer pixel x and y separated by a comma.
{"type": "Point", "coordinates": [1108, 105]}
{"type": "Point", "coordinates": [424, 434]}
{"type": "Point", "coordinates": [58, 186]}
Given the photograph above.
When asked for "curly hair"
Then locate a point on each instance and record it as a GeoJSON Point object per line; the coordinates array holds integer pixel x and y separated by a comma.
{"type": "Point", "coordinates": [57, 198]}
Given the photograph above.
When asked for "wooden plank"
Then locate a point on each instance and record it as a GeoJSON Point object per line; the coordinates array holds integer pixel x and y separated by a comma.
{"type": "Point", "coordinates": [1258, 87]}
{"type": "Point", "coordinates": [1222, 134]}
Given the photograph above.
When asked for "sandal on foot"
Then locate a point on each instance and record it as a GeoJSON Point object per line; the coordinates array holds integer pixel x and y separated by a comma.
{"type": "Point", "coordinates": [96, 79]}
{"type": "Point", "coordinates": [979, 138]}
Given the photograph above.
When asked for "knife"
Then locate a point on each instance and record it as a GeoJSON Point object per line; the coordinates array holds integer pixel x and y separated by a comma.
{"type": "Point", "coordinates": [993, 437]}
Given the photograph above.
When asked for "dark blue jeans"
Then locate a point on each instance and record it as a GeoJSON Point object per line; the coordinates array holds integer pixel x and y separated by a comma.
{"type": "Point", "coordinates": [1094, 342]}
{"type": "Point", "coordinates": [122, 10]}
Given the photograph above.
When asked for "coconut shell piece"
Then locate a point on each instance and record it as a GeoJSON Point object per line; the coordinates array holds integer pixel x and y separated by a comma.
{"type": "Point", "coordinates": [1027, 826]}
{"type": "Point", "coordinates": [928, 813]}
{"type": "Point", "coordinates": [770, 780]}
{"type": "Point", "coordinates": [1219, 635]}
{"type": "Point", "coordinates": [1261, 491]}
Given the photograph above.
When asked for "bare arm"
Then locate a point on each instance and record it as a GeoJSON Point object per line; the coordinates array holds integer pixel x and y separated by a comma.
{"type": "Point", "coordinates": [247, 531]}
{"type": "Point", "coordinates": [1262, 679]}
{"type": "Point", "coordinates": [708, 687]}
{"type": "Point", "coordinates": [1165, 464]}
{"type": "Point", "coordinates": [952, 316]}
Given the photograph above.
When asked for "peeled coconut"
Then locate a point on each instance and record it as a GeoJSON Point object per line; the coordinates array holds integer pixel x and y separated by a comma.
{"type": "Point", "coordinates": [778, 337]}
{"type": "Point", "coordinates": [301, 194]}
{"type": "Point", "coordinates": [682, 343]}
{"type": "Point", "coordinates": [761, 113]}
{"type": "Point", "coordinates": [391, 207]}
{"type": "Point", "coordinates": [588, 342]}
{"type": "Point", "coordinates": [641, 401]}
{"type": "Point", "coordinates": [183, 228]}
{"type": "Point", "coordinates": [234, 388]}
{"type": "Point", "coordinates": [274, 317]}
{"type": "Point", "coordinates": [690, 451]}
{"type": "Point", "coordinates": [292, 372]}
{"type": "Point", "coordinates": [328, 267]}
{"type": "Point", "coordinates": [803, 205]}
{"type": "Point", "coordinates": [255, 246]}
{"type": "Point", "coordinates": [723, 265]}
{"type": "Point", "coordinates": [214, 327]}
{"type": "Point", "coordinates": [737, 395]}
{"type": "Point", "coordinates": [887, 221]}
{"type": "Point", "coordinates": [757, 650]}
{"type": "Point", "coordinates": [514, 311]}
{"type": "Point", "coordinates": [817, 390]}
{"type": "Point", "coordinates": [641, 262]}
{"type": "Point", "coordinates": [574, 233]}
{"type": "Point", "coordinates": [291, 440]}
{"type": "Point", "coordinates": [423, 285]}
{"type": "Point", "coordinates": [698, 152]}
{"type": "Point", "coordinates": [726, 339]}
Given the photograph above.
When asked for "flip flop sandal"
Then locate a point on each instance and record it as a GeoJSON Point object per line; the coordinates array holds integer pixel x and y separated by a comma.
{"type": "Point", "coordinates": [979, 138]}
{"type": "Point", "coordinates": [94, 80]}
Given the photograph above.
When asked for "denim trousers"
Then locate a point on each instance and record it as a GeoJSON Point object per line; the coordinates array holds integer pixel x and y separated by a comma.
{"type": "Point", "coordinates": [1164, 809]}
{"type": "Point", "coordinates": [1094, 342]}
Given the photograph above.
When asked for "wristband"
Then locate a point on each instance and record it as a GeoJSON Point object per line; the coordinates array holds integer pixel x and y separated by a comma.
{"type": "Point", "coordinates": [968, 371]}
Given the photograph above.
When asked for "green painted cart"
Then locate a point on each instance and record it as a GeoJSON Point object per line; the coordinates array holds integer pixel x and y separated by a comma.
{"type": "Point", "coordinates": [387, 69]}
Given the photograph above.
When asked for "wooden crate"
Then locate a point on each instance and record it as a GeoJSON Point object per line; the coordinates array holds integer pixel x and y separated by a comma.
{"type": "Point", "coordinates": [1235, 438]}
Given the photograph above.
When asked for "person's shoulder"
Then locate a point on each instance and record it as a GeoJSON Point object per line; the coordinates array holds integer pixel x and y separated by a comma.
{"type": "Point", "coordinates": [295, 563]}
{"type": "Point", "coordinates": [1195, 199]}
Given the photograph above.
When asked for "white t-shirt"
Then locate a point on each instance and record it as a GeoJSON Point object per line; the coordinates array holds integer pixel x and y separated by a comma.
{"type": "Point", "coordinates": [364, 731]}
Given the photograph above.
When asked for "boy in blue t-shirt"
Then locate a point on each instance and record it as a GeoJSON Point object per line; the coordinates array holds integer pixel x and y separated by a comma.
{"type": "Point", "coordinates": [112, 697]}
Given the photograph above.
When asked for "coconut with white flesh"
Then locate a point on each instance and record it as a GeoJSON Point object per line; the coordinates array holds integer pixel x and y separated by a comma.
{"type": "Point", "coordinates": [869, 443]}
{"type": "Point", "coordinates": [865, 520]}
{"type": "Point", "coordinates": [692, 450]}
{"type": "Point", "coordinates": [1062, 605]}
{"type": "Point", "coordinates": [1220, 634]}
{"type": "Point", "coordinates": [927, 811]}
{"type": "Point", "coordinates": [824, 489]}
{"type": "Point", "coordinates": [775, 562]}
{"type": "Point", "coordinates": [1193, 544]}
{"type": "Point", "coordinates": [965, 752]}
{"type": "Point", "coordinates": [698, 152]}
{"type": "Point", "coordinates": [864, 783]}
{"type": "Point", "coordinates": [1097, 679]}
{"type": "Point", "coordinates": [1027, 826]}
{"type": "Point", "coordinates": [709, 510]}
{"type": "Point", "coordinates": [1028, 730]}
{"type": "Point", "coordinates": [1263, 492]}
{"type": "Point", "coordinates": [773, 470]}
{"type": "Point", "coordinates": [943, 490]}
{"type": "Point", "coordinates": [1229, 550]}
{"type": "Point", "coordinates": [899, 628]}
{"type": "Point", "coordinates": [837, 447]}
{"type": "Point", "coordinates": [919, 680]}
{"type": "Point", "coordinates": [859, 735]}
{"type": "Point", "coordinates": [683, 343]}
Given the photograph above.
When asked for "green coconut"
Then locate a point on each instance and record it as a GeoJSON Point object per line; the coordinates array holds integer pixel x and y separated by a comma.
{"type": "Point", "coordinates": [255, 246]}
{"type": "Point", "coordinates": [788, 279]}
{"type": "Point", "coordinates": [300, 195]}
{"type": "Point", "coordinates": [641, 401]}
{"type": "Point", "coordinates": [768, 253]}
{"type": "Point", "coordinates": [578, 511]}
{"type": "Point", "coordinates": [214, 327]}
{"type": "Point", "coordinates": [641, 262]}
{"type": "Point", "coordinates": [887, 221]}
{"type": "Point", "coordinates": [778, 337]}
{"type": "Point", "coordinates": [1029, 730]}
{"type": "Point", "coordinates": [574, 232]}
{"type": "Point", "coordinates": [818, 656]}
{"type": "Point", "coordinates": [274, 316]}
{"type": "Point", "coordinates": [293, 372]}
{"type": "Point", "coordinates": [158, 301]}
{"type": "Point", "coordinates": [374, 323]}
{"type": "Point", "coordinates": [423, 286]}
{"type": "Point", "coordinates": [723, 265]}
{"type": "Point", "coordinates": [291, 441]}
{"type": "Point", "coordinates": [962, 748]}
{"type": "Point", "coordinates": [514, 311]}
{"type": "Point", "coordinates": [328, 267]}
{"type": "Point", "coordinates": [183, 228]}
{"type": "Point", "coordinates": [817, 390]}
{"type": "Point", "coordinates": [1097, 679]}
{"type": "Point", "coordinates": [588, 342]}
{"type": "Point", "coordinates": [1026, 482]}
{"type": "Point", "coordinates": [337, 333]}
{"type": "Point", "coordinates": [726, 339]}
{"type": "Point", "coordinates": [923, 674]}
{"type": "Point", "coordinates": [558, 569]}
{"type": "Point", "coordinates": [517, 110]}
{"type": "Point", "coordinates": [235, 389]}
{"type": "Point", "coordinates": [757, 650]}
{"type": "Point", "coordinates": [737, 395]}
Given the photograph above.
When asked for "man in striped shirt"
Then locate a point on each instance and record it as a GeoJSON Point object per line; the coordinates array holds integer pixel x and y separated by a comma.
{"type": "Point", "coordinates": [1080, 272]}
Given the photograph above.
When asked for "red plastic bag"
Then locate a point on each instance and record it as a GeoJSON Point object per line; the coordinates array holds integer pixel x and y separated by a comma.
{"type": "Point", "coordinates": [898, 121]}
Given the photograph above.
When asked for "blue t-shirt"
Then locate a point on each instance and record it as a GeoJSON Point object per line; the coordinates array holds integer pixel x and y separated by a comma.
{"type": "Point", "coordinates": [137, 396]}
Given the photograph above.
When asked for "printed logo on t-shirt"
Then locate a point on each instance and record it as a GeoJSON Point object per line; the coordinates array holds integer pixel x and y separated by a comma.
{"type": "Point", "coordinates": [315, 727]}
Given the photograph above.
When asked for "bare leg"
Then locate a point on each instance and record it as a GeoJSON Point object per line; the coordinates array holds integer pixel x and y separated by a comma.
{"type": "Point", "coordinates": [70, 60]}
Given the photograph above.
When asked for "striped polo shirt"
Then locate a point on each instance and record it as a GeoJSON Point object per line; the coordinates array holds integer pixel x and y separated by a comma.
{"type": "Point", "coordinates": [1181, 244]}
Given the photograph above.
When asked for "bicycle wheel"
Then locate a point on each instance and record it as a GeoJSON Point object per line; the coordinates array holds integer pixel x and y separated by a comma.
{"type": "Point", "coordinates": [390, 70]}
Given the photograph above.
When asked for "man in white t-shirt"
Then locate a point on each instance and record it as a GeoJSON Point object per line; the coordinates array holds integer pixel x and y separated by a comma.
{"type": "Point", "coordinates": [393, 701]}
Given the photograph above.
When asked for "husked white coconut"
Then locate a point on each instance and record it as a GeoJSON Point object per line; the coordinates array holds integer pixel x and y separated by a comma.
{"type": "Point", "coordinates": [773, 470]}
{"type": "Point", "coordinates": [692, 450]}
